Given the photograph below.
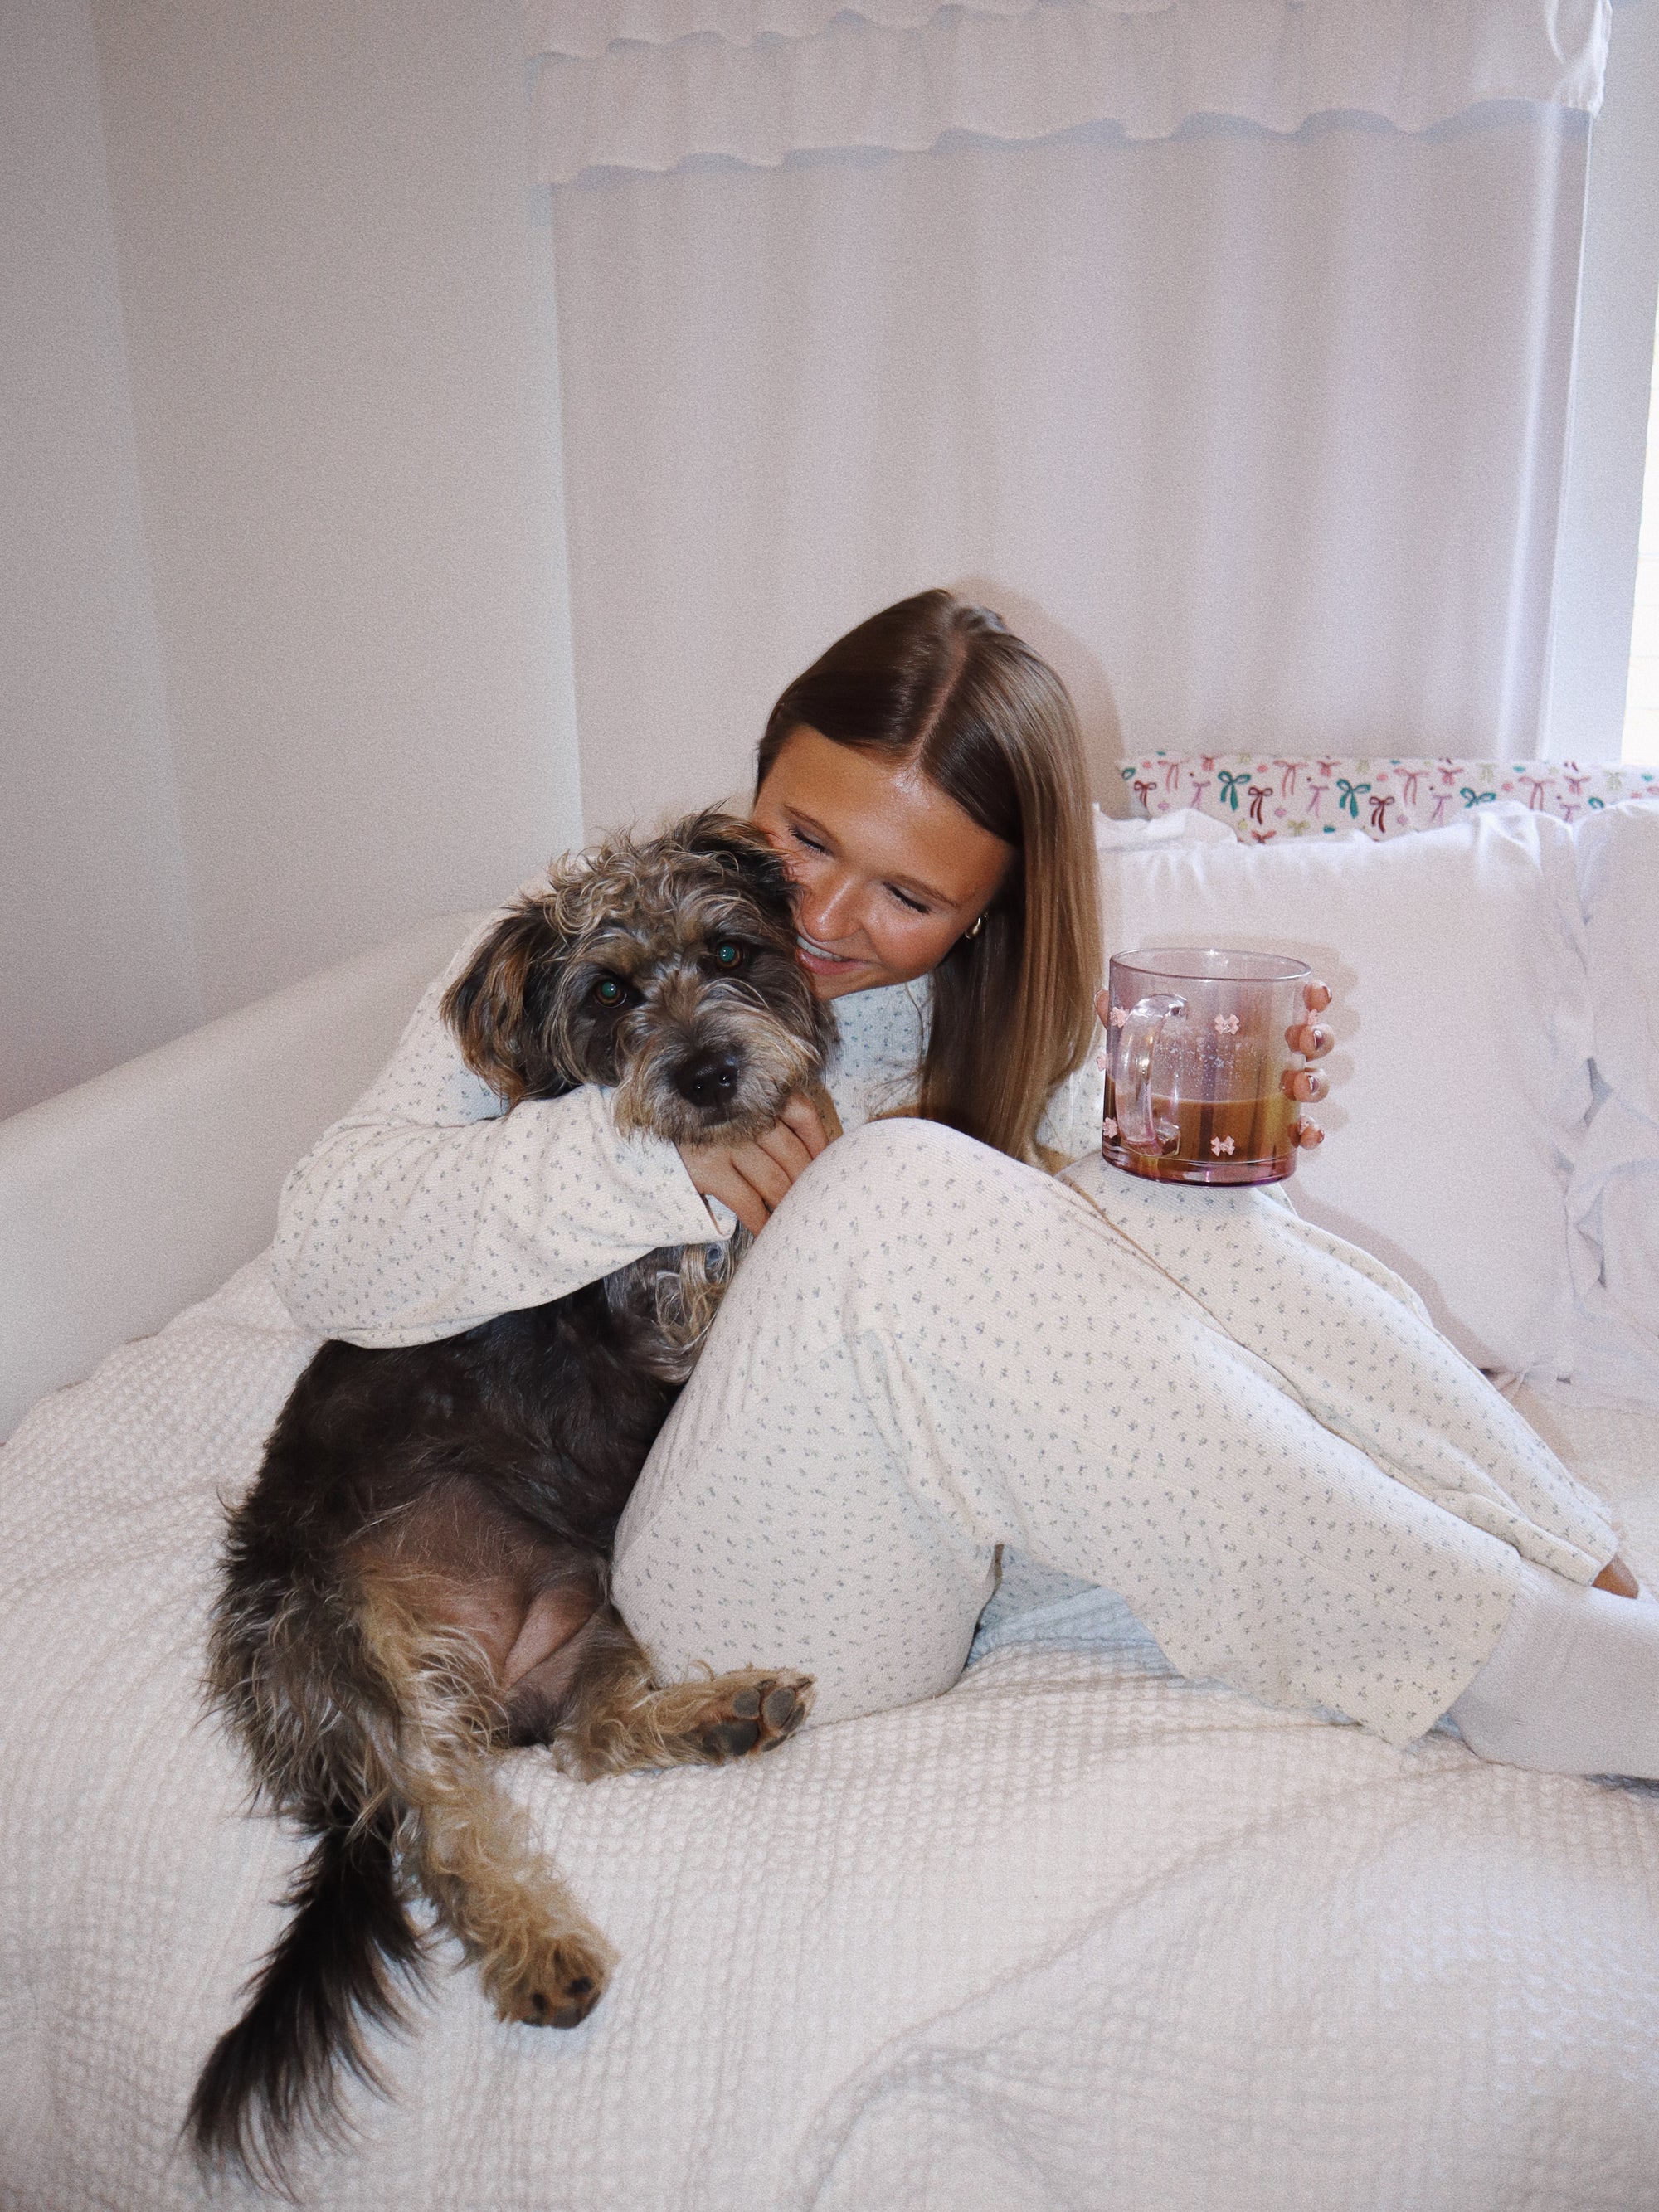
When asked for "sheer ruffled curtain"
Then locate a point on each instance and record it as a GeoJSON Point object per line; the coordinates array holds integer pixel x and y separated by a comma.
{"type": "Point", "coordinates": [1225, 344]}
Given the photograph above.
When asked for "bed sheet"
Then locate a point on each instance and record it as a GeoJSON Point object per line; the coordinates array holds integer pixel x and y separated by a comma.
{"type": "Point", "coordinates": [1076, 1933]}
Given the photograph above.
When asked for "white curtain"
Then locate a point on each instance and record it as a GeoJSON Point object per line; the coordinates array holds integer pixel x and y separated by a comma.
{"type": "Point", "coordinates": [1257, 431]}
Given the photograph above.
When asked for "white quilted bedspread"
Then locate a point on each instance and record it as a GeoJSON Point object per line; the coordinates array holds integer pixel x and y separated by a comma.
{"type": "Point", "coordinates": [1077, 1935]}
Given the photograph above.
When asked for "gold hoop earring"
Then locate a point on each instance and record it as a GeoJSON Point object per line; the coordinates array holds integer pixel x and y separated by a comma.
{"type": "Point", "coordinates": [978, 925]}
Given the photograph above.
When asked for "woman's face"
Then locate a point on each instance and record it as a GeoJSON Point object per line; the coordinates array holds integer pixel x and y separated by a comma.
{"type": "Point", "coordinates": [889, 871]}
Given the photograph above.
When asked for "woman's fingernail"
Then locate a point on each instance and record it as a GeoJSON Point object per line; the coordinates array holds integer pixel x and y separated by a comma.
{"type": "Point", "coordinates": [1303, 1083]}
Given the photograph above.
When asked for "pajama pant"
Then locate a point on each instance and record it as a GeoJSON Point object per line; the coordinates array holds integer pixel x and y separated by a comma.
{"type": "Point", "coordinates": [1246, 1427]}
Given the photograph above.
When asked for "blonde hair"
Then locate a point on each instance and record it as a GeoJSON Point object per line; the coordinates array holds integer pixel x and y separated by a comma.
{"type": "Point", "coordinates": [947, 684]}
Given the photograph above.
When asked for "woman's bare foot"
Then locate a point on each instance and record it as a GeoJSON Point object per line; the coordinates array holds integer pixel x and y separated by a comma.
{"type": "Point", "coordinates": [1617, 1578]}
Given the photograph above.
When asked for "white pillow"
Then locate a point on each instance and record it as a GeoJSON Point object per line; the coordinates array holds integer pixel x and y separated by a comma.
{"type": "Point", "coordinates": [1617, 851]}
{"type": "Point", "coordinates": [1186, 825]}
{"type": "Point", "coordinates": [1460, 1073]}
{"type": "Point", "coordinates": [1614, 1197]}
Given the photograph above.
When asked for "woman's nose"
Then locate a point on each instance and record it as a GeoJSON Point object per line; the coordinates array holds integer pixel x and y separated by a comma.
{"type": "Point", "coordinates": [829, 908]}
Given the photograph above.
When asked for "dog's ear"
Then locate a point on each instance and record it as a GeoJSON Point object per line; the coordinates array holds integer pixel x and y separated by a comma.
{"type": "Point", "coordinates": [501, 1007]}
{"type": "Point", "coordinates": [742, 848]}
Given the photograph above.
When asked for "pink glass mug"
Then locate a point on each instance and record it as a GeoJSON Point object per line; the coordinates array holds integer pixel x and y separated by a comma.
{"type": "Point", "coordinates": [1207, 1066]}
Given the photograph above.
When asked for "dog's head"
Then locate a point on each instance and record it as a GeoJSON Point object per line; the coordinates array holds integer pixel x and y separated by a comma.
{"type": "Point", "coordinates": [662, 966]}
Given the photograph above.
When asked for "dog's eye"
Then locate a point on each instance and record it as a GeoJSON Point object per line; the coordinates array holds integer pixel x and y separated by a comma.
{"type": "Point", "coordinates": [609, 991]}
{"type": "Point", "coordinates": [727, 954]}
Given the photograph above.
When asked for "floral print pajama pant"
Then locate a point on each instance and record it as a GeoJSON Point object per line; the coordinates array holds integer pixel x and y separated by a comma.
{"type": "Point", "coordinates": [1248, 1429]}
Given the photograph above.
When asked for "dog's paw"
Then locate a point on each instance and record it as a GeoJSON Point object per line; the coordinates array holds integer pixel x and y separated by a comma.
{"type": "Point", "coordinates": [748, 1711]}
{"type": "Point", "coordinates": [702, 1722]}
{"type": "Point", "coordinates": [556, 1988]}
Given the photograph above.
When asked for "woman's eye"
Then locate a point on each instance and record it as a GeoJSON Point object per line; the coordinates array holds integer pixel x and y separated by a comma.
{"type": "Point", "coordinates": [727, 954]}
{"type": "Point", "coordinates": [609, 992]}
{"type": "Point", "coordinates": [913, 905]}
{"type": "Point", "coordinates": [810, 843]}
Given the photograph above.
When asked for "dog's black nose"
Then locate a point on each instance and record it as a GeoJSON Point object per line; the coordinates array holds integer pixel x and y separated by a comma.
{"type": "Point", "coordinates": [708, 1079]}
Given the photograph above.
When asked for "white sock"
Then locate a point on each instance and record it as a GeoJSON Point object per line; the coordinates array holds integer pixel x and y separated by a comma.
{"type": "Point", "coordinates": [1572, 1684]}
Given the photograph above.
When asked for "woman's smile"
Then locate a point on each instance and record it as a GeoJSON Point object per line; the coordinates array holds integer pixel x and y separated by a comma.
{"type": "Point", "coordinates": [819, 960]}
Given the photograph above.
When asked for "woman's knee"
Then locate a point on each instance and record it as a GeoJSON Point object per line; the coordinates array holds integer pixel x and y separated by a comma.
{"type": "Point", "coordinates": [890, 1197]}
{"type": "Point", "coordinates": [876, 1172]}
{"type": "Point", "coordinates": [900, 1141]}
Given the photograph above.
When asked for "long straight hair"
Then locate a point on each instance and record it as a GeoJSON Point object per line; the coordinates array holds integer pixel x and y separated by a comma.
{"type": "Point", "coordinates": [946, 685]}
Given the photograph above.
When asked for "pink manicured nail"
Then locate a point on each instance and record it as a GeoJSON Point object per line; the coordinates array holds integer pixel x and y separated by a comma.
{"type": "Point", "coordinates": [1303, 1083]}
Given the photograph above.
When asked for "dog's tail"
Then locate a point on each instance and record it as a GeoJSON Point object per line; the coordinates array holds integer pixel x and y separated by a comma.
{"type": "Point", "coordinates": [336, 1967]}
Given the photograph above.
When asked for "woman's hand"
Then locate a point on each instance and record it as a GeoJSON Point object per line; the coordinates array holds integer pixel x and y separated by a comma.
{"type": "Point", "coordinates": [752, 1177]}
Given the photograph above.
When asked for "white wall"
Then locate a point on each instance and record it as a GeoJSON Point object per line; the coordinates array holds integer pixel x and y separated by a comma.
{"type": "Point", "coordinates": [346, 434]}
{"type": "Point", "coordinates": [97, 960]}
{"type": "Point", "coordinates": [348, 702]}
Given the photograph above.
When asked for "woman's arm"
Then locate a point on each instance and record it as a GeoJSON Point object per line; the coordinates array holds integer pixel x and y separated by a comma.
{"type": "Point", "coordinates": [1070, 1127]}
{"type": "Point", "coordinates": [426, 1210]}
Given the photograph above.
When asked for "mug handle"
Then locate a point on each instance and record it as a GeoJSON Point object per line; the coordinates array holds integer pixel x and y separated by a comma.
{"type": "Point", "coordinates": [1132, 1074]}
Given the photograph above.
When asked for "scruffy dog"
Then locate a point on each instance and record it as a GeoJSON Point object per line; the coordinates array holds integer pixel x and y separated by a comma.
{"type": "Point", "coordinates": [419, 1575]}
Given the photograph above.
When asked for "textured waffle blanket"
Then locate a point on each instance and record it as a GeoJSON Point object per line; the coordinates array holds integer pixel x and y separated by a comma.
{"type": "Point", "coordinates": [1079, 1934]}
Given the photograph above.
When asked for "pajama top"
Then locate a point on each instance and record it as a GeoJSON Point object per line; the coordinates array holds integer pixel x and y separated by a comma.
{"type": "Point", "coordinates": [425, 1210]}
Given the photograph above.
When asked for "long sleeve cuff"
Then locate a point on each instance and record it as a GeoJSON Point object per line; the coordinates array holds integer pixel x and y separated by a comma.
{"type": "Point", "coordinates": [394, 1235]}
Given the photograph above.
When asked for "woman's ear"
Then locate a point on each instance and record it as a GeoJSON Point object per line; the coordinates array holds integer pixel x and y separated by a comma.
{"type": "Point", "coordinates": [500, 1006]}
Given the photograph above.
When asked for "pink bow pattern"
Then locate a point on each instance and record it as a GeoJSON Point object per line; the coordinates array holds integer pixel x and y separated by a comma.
{"type": "Point", "coordinates": [1403, 794]}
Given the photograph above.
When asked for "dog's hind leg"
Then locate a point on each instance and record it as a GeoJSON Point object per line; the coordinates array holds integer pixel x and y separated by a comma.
{"type": "Point", "coordinates": [469, 1844]}
{"type": "Point", "coordinates": [541, 1960]}
{"type": "Point", "coordinates": [614, 1719]}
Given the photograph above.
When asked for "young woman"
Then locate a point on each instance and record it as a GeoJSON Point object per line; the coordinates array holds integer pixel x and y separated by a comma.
{"type": "Point", "coordinates": [936, 1348]}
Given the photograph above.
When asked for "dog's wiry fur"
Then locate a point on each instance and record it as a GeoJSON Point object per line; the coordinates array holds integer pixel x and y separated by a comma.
{"type": "Point", "coordinates": [419, 1576]}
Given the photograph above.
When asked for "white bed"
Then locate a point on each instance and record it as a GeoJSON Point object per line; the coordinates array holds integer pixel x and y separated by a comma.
{"type": "Point", "coordinates": [1078, 1934]}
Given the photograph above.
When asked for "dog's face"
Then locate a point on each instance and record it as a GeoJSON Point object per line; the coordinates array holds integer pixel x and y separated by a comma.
{"type": "Point", "coordinates": [664, 967]}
